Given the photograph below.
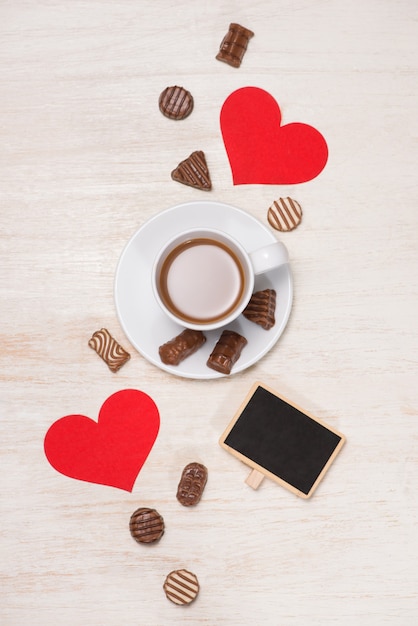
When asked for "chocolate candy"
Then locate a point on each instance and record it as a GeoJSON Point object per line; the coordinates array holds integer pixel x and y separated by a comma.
{"type": "Point", "coordinates": [109, 349]}
{"type": "Point", "coordinates": [226, 352]}
{"type": "Point", "coordinates": [181, 586]}
{"type": "Point", "coordinates": [261, 308]}
{"type": "Point", "coordinates": [284, 214]}
{"type": "Point", "coordinates": [177, 349]}
{"type": "Point", "coordinates": [146, 525]}
{"type": "Point", "coordinates": [192, 483]}
{"type": "Point", "coordinates": [193, 172]}
{"type": "Point", "coordinates": [176, 103]}
{"type": "Point", "coordinates": [234, 45]}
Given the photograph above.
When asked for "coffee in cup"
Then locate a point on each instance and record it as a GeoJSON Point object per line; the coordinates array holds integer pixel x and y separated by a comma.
{"type": "Point", "coordinates": [203, 278]}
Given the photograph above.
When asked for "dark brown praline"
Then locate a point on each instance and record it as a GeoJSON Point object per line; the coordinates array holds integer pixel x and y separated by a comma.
{"type": "Point", "coordinates": [261, 308]}
{"type": "Point", "coordinates": [234, 45]}
{"type": "Point", "coordinates": [146, 525]}
{"type": "Point", "coordinates": [226, 351]}
{"type": "Point", "coordinates": [192, 483]}
{"type": "Point", "coordinates": [180, 347]}
{"type": "Point", "coordinates": [176, 102]}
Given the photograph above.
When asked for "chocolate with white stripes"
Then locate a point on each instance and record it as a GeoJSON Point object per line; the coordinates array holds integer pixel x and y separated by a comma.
{"type": "Point", "coordinates": [109, 349]}
{"type": "Point", "coordinates": [181, 586]}
{"type": "Point", "coordinates": [284, 214]}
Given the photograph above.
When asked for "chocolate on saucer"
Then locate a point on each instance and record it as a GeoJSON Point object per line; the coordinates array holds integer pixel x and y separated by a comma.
{"type": "Point", "coordinates": [180, 347]}
{"type": "Point", "coordinates": [226, 351]}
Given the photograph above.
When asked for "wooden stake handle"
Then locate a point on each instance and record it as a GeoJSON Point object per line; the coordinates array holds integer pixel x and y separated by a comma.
{"type": "Point", "coordinates": [254, 479]}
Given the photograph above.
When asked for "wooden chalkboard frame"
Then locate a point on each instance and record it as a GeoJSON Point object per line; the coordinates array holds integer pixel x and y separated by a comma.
{"type": "Point", "coordinates": [259, 472]}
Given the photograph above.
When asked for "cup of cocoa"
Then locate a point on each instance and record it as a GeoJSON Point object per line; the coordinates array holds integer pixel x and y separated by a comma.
{"type": "Point", "coordinates": [203, 278]}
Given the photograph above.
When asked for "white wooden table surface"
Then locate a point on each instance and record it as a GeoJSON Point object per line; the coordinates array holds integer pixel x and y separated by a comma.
{"type": "Point", "coordinates": [86, 158]}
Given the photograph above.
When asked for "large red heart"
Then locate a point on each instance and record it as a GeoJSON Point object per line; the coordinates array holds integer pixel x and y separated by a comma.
{"type": "Point", "coordinates": [262, 151]}
{"type": "Point", "coordinates": [110, 451]}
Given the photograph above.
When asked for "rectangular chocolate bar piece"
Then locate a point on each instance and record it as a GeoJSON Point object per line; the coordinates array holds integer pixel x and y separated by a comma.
{"type": "Point", "coordinates": [109, 349]}
{"type": "Point", "coordinates": [226, 351]}
{"type": "Point", "coordinates": [179, 348]}
{"type": "Point", "coordinates": [234, 45]}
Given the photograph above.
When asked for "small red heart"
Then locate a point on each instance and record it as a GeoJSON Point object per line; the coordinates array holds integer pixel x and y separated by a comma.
{"type": "Point", "coordinates": [110, 451]}
{"type": "Point", "coordinates": [260, 150]}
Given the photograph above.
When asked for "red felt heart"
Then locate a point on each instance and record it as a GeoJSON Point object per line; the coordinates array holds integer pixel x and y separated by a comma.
{"type": "Point", "coordinates": [262, 151]}
{"type": "Point", "coordinates": [110, 451]}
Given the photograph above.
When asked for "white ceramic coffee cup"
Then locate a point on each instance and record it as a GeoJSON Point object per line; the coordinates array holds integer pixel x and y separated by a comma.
{"type": "Point", "coordinates": [203, 278]}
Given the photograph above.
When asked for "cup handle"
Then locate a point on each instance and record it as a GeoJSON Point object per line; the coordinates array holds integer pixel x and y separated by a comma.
{"type": "Point", "coordinates": [269, 257]}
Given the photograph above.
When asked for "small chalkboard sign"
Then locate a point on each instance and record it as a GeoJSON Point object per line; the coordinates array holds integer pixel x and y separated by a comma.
{"type": "Point", "coordinates": [279, 440]}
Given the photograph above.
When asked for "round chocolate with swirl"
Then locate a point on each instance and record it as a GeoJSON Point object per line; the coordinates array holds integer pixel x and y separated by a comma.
{"type": "Point", "coordinates": [146, 525]}
{"type": "Point", "coordinates": [176, 102]}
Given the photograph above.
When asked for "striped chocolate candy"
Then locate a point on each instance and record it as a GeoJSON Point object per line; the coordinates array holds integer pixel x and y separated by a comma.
{"type": "Point", "coordinates": [261, 308]}
{"type": "Point", "coordinates": [284, 214]}
{"type": "Point", "coordinates": [146, 525]}
{"type": "Point", "coordinates": [176, 102]}
{"type": "Point", "coordinates": [109, 349]}
{"type": "Point", "coordinates": [193, 171]}
{"type": "Point", "coordinates": [234, 45]}
{"type": "Point", "coordinates": [181, 586]}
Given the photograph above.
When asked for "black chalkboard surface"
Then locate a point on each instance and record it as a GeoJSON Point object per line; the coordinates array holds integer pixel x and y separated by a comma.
{"type": "Point", "coordinates": [281, 441]}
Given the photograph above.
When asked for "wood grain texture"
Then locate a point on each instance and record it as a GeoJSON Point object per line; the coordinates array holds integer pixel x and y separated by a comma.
{"type": "Point", "coordinates": [85, 159]}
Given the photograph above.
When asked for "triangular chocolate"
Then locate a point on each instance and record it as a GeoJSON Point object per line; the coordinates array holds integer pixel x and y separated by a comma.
{"type": "Point", "coordinates": [193, 171]}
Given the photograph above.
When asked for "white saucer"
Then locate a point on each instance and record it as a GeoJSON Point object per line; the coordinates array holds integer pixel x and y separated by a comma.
{"type": "Point", "coordinates": [142, 320]}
